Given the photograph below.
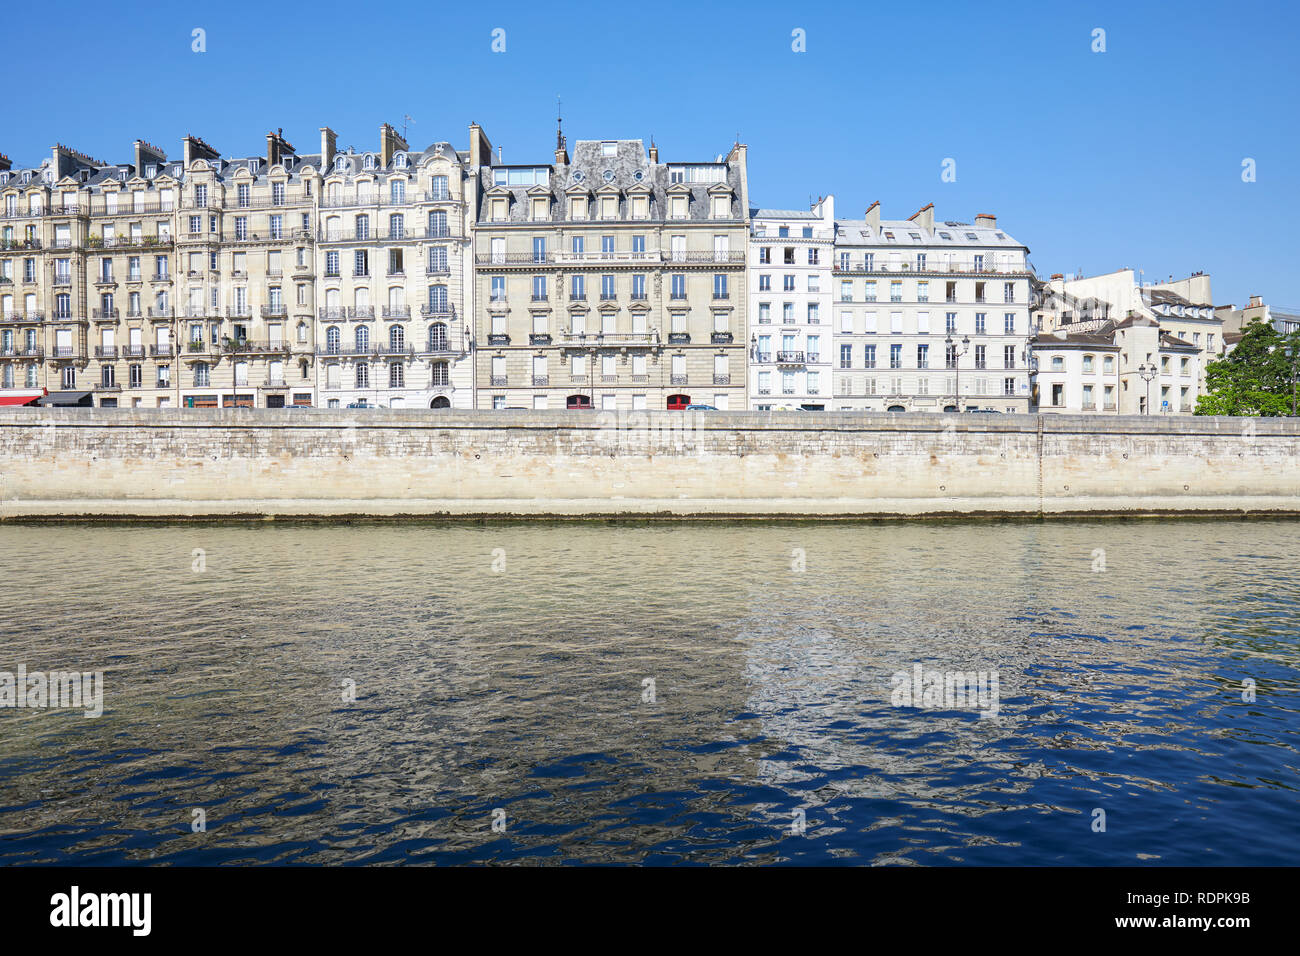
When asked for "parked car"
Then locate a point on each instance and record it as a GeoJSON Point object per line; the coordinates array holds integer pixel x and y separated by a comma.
{"type": "Point", "coordinates": [984, 411]}
{"type": "Point", "coordinates": [361, 404]}
{"type": "Point", "coordinates": [701, 408]}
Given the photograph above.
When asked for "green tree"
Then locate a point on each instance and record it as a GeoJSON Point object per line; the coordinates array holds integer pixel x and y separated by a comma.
{"type": "Point", "coordinates": [1255, 378]}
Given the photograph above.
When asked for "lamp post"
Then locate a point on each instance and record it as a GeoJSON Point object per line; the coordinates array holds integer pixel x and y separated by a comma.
{"type": "Point", "coordinates": [1148, 372]}
{"type": "Point", "coordinates": [956, 363]}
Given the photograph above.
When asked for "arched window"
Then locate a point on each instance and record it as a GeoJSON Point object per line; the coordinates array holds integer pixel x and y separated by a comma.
{"type": "Point", "coordinates": [363, 338]}
{"type": "Point", "coordinates": [370, 161]}
{"type": "Point", "coordinates": [397, 375]}
{"type": "Point", "coordinates": [396, 338]}
{"type": "Point", "coordinates": [438, 298]}
{"type": "Point", "coordinates": [399, 161]}
{"type": "Point", "coordinates": [302, 367]}
{"type": "Point", "coordinates": [363, 375]}
{"type": "Point", "coordinates": [438, 337]}
{"type": "Point", "coordinates": [442, 401]}
{"type": "Point", "coordinates": [440, 376]}
{"type": "Point", "coordinates": [341, 164]}
{"type": "Point", "coordinates": [332, 340]}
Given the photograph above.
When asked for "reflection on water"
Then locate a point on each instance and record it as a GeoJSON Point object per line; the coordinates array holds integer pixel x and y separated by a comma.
{"type": "Point", "coordinates": [525, 690]}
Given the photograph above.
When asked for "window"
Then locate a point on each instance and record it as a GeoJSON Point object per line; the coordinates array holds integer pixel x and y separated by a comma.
{"type": "Point", "coordinates": [362, 376]}
{"type": "Point", "coordinates": [980, 323]}
{"type": "Point", "coordinates": [396, 375]}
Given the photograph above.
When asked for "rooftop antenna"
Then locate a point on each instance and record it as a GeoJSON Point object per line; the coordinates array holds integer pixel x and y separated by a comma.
{"type": "Point", "coordinates": [559, 123]}
{"type": "Point", "coordinates": [406, 118]}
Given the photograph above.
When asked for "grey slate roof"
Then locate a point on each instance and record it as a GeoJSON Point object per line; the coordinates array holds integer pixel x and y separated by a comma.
{"type": "Point", "coordinates": [629, 167]}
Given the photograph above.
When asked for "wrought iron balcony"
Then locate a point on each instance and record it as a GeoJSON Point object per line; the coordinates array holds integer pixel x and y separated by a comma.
{"type": "Point", "coordinates": [679, 338]}
{"type": "Point", "coordinates": [541, 380]}
{"type": "Point", "coordinates": [396, 312]}
{"type": "Point", "coordinates": [498, 338]}
{"type": "Point", "coordinates": [790, 358]}
{"type": "Point", "coordinates": [677, 379]}
{"type": "Point", "coordinates": [721, 379]}
{"type": "Point", "coordinates": [105, 351]}
{"type": "Point", "coordinates": [721, 338]}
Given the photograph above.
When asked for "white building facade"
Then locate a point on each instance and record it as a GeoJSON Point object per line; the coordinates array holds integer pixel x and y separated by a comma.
{"type": "Point", "coordinates": [790, 337]}
{"type": "Point", "coordinates": [930, 316]}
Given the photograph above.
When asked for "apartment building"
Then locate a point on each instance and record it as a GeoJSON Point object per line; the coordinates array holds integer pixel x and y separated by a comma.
{"type": "Point", "coordinates": [393, 260]}
{"type": "Point", "coordinates": [930, 315]}
{"type": "Point", "coordinates": [245, 283]}
{"type": "Point", "coordinates": [1189, 332]}
{"type": "Point", "coordinates": [609, 279]}
{"type": "Point", "coordinates": [790, 338]}
{"type": "Point", "coordinates": [86, 255]}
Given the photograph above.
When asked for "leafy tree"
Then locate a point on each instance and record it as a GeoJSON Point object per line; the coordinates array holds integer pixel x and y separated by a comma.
{"type": "Point", "coordinates": [1255, 378]}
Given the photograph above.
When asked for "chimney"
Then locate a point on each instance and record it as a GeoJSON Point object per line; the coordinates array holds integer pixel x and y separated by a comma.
{"type": "Point", "coordinates": [68, 160]}
{"type": "Point", "coordinates": [389, 143]}
{"type": "Point", "coordinates": [986, 220]}
{"type": "Point", "coordinates": [924, 217]}
{"type": "Point", "coordinates": [146, 153]}
{"type": "Point", "coordinates": [1256, 301]}
{"type": "Point", "coordinates": [654, 151]}
{"type": "Point", "coordinates": [327, 138]}
{"type": "Point", "coordinates": [277, 148]}
{"type": "Point", "coordinates": [1058, 275]}
{"type": "Point", "coordinates": [873, 215]}
{"type": "Point", "coordinates": [195, 148]}
{"type": "Point", "coordinates": [5, 162]}
{"type": "Point", "coordinates": [480, 149]}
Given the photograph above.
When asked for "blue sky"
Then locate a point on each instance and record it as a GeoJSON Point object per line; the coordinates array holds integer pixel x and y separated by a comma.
{"type": "Point", "coordinates": [1131, 157]}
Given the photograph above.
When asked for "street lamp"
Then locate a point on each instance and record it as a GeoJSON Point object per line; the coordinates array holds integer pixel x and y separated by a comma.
{"type": "Point", "coordinates": [956, 363]}
{"type": "Point", "coordinates": [1148, 372]}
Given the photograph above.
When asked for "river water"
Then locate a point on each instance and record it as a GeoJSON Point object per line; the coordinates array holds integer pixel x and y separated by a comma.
{"type": "Point", "coordinates": [701, 693]}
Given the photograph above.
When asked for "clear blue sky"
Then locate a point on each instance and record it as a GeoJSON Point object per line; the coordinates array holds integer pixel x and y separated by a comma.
{"type": "Point", "coordinates": [1096, 161]}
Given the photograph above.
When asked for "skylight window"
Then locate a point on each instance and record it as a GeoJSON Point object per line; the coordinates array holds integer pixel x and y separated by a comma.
{"type": "Point", "coordinates": [916, 236]}
{"type": "Point", "coordinates": [945, 235]}
{"type": "Point", "coordinates": [971, 236]}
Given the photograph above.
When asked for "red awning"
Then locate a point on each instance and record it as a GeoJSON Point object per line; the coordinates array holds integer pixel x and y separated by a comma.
{"type": "Point", "coordinates": [21, 398]}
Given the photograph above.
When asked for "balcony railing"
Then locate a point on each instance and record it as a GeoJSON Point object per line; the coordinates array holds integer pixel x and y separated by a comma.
{"type": "Point", "coordinates": [721, 338]}
{"type": "Point", "coordinates": [541, 380]}
{"type": "Point", "coordinates": [160, 351]}
{"type": "Point", "coordinates": [275, 311]}
{"type": "Point", "coordinates": [105, 351]}
{"type": "Point", "coordinates": [721, 379]}
{"type": "Point", "coordinates": [679, 338]}
{"type": "Point", "coordinates": [956, 267]}
{"type": "Point", "coordinates": [133, 351]}
{"type": "Point", "coordinates": [104, 313]}
{"type": "Point", "coordinates": [677, 379]}
{"type": "Point", "coordinates": [790, 358]}
{"type": "Point", "coordinates": [396, 312]}
{"type": "Point", "coordinates": [499, 380]}
{"type": "Point", "coordinates": [498, 338]}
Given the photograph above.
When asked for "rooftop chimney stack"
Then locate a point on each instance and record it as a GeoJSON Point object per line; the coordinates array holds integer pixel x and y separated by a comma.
{"type": "Point", "coordinates": [146, 153]}
{"type": "Point", "coordinates": [924, 217]}
{"type": "Point", "coordinates": [195, 148]}
{"type": "Point", "coordinates": [873, 215]}
{"type": "Point", "coordinates": [986, 220]}
{"type": "Point", "coordinates": [480, 149]}
{"type": "Point", "coordinates": [327, 147]}
{"type": "Point", "coordinates": [1256, 301]}
{"type": "Point", "coordinates": [390, 142]}
{"type": "Point", "coordinates": [654, 151]}
{"type": "Point", "coordinates": [5, 162]}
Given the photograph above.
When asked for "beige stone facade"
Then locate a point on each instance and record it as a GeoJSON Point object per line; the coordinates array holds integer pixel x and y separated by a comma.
{"type": "Point", "coordinates": [610, 279]}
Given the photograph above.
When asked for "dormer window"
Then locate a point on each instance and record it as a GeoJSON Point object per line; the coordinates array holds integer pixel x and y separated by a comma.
{"type": "Point", "coordinates": [721, 207]}
{"type": "Point", "coordinates": [609, 149]}
{"type": "Point", "coordinates": [889, 236]}
{"type": "Point", "coordinates": [150, 171]}
{"type": "Point", "coordinates": [399, 161]}
{"type": "Point", "coordinates": [608, 207]}
{"type": "Point", "coordinates": [369, 162]}
{"type": "Point", "coordinates": [578, 207]}
{"type": "Point", "coordinates": [678, 204]}
{"type": "Point", "coordinates": [341, 164]}
{"type": "Point", "coordinates": [945, 235]}
{"type": "Point", "coordinates": [540, 212]}
{"type": "Point", "coordinates": [971, 236]}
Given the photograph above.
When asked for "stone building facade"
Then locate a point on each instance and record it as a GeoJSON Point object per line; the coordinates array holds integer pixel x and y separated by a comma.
{"type": "Point", "coordinates": [609, 279]}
